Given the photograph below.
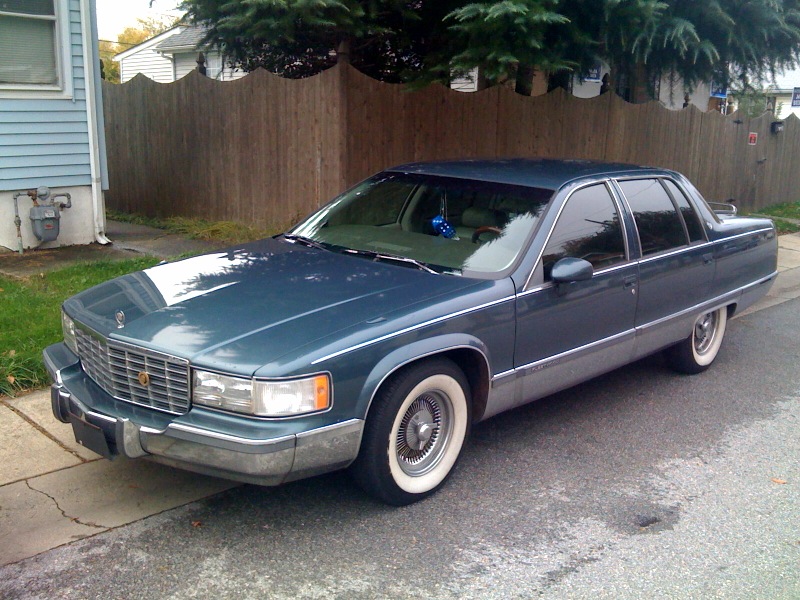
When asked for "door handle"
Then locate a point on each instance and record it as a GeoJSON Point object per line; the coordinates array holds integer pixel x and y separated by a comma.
{"type": "Point", "coordinates": [708, 258]}
{"type": "Point", "coordinates": [629, 283]}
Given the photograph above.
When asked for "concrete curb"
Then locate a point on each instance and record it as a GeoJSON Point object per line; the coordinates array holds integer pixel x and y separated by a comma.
{"type": "Point", "coordinates": [53, 491]}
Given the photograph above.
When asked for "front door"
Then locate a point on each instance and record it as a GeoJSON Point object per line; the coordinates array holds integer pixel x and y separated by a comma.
{"type": "Point", "coordinates": [570, 332]}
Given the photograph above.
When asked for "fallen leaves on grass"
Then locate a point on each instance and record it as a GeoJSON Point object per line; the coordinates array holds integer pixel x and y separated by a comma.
{"type": "Point", "coordinates": [778, 481]}
{"type": "Point", "coordinates": [197, 523]}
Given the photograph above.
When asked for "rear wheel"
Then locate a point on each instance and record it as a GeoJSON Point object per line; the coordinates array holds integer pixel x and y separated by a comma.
{"type": "Point", "coordinates": [414, 433]}
{"type": "Point", "coordinates": [696, 353]}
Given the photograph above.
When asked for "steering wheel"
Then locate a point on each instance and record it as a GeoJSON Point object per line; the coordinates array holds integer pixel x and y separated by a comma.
{"type": "Point", "coordinates": [484, 229]}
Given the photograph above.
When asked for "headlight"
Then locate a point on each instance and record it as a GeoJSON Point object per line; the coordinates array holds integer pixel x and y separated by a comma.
{"type": "Point", "coordinates": [292, 397]}
{"type": "Point", "coordinates": [282, 398]}
{"type": "Point", "coordinates": [68, 327]}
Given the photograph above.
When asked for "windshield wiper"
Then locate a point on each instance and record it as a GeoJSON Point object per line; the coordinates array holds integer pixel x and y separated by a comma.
{"type": "Point", "coordinates": [392, 258]}
{"type": "Point", "coordinates": [303, 240]}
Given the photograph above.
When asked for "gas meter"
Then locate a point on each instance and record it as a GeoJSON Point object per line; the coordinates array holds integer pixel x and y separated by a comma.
{"type": "Point", "coordinates": [45, 214]}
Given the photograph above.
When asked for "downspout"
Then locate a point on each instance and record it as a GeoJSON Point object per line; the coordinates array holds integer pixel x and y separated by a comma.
{"type": "Point", "coordinates": [90, 58]}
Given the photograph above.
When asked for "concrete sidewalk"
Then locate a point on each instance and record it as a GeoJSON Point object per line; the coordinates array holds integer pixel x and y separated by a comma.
{"type": "Point", "coordinates": [53, 491]}
{"type": "Point", "coordinates": [128, 241]}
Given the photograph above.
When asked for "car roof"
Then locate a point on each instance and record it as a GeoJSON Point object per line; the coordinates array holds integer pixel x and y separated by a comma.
{"type": "Point", "coordinates": [531, 172]}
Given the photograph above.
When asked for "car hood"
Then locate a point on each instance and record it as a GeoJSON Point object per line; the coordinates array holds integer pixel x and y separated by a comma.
{"type": "Point", "coordinates": [242, 308]}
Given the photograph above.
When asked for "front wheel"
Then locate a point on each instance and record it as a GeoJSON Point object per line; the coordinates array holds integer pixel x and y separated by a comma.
{"type": "Point", "coordinates": [696, 353]}
{"type": "Point", "coordinates": [414, 433]}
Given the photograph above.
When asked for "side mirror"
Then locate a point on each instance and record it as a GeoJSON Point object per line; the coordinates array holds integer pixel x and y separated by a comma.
{"type": "Point", "coordinates": [571, 269]}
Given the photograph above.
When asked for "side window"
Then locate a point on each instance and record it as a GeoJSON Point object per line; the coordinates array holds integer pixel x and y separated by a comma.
{"type": "Point", "coordinates": [588, 228]}
{"type": "Point", "coordinates": [28, 43]}
{"type": "Point", "coordinates": [659, 224]}
{"type": "Point", "coordinates": [690, 217]}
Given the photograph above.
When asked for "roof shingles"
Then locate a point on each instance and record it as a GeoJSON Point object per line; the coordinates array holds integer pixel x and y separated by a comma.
{"type": "Point", "coordinates": [189, 37]}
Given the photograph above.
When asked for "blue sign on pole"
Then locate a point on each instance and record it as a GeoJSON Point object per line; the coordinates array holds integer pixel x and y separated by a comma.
{"type": "Point", "coordinates": [593, 74]}
{"type": "Point", "coordinates": [796, 97]}
{"type": "Point", "coordinates": [718, 90]}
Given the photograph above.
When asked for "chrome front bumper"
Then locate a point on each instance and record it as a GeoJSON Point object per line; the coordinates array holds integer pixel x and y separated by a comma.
{"type": "Point", "coordinates": [268, 461]}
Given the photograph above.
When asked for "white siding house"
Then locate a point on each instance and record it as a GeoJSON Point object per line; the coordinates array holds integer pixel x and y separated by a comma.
{"type": "Point", "coordinates": [671, 91]}
{"type": "Point", "coordinates": [781, 93]}
{"type": "Point", "coordinates": [144, 58]}
{"type": "Point", "coordinates": [51, 118]}
{"type": "Point", "coordinates": [185, 48]}
{"type": "Point", "coordinates": [171, 55]}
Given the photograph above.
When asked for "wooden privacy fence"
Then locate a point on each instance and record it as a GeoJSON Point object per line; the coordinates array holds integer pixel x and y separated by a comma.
{"type": "Point", "coordinates": [265, 150]}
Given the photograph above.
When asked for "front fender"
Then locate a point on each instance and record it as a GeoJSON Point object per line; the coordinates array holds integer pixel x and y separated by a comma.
{"type": "Point", "coordinates": [413, 352]}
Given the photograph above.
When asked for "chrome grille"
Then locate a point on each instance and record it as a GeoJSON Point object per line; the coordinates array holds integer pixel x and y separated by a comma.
{"type": "Point", "coordinates": [115, 367]}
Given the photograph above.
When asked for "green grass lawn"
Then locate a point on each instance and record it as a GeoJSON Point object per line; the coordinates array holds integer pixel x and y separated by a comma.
{"type": "Point", "coordinates": [200, 229]}
{"type": "Point", "coordinates": [784, 227]}
{"type": "Point", "coordinates": [30, 316]}
{"type": "Point", "coordinates": [779, 213]}
{"type": "Point", "coordinates": [787, 211]}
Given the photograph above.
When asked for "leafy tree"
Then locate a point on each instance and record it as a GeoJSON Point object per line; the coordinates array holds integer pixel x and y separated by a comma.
{"type": "Point", "coordinates": [642, 40]}
{"type": "Point", "coordinates": [721, 40]}
{"type": "Point", "coordinates": [429, 40]}
{"type": "Point", "coordinates": [507, 39]}
{"type": "Point", "coordinates": [761, 37]}
{"type": "Point", "coordinates": [751, 102]}
{"type": "Point", "coordinates": [298, 38]}
{"type": "Point", "coordinates": [110, 68]}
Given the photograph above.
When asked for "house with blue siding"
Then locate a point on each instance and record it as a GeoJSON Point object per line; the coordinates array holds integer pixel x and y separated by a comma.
{"type": "Point", "coordinates": [51, 121]}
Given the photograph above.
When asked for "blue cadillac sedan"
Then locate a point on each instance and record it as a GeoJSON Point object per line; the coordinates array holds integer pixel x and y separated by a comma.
{"type": "Point", "coordinates": [426, 298]}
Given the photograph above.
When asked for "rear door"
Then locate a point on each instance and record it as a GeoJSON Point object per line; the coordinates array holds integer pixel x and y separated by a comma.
{"type": "Point", "coordinates": [676, 269]}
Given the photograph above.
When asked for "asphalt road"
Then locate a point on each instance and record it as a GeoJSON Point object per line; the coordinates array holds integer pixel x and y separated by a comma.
{"type": "Point", "coordinates": [639, 484]}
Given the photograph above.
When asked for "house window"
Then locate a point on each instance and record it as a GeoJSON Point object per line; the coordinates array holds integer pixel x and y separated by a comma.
{"type": "Point", "coordinates": [28, 43]}
{"type": "Point", "coordinates": [213, 65]}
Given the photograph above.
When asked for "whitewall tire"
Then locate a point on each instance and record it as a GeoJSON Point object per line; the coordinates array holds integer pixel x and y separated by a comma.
{"type": "Point", "coordinates": [414, 432]}
{"type": "Point", "coordinates": [696, 353]}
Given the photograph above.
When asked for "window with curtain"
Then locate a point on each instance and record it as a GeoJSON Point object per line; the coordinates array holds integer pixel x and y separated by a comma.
{"type": "Point", "coordinates": [28, 42]}
{"type": "Point", "coordinates": [213, 66]}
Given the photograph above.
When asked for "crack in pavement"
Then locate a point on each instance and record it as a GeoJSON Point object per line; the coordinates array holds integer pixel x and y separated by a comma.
{"type": "Point", "coordinates": [42, 430]}
{"type": "Point", "coordinates": [63, 513]}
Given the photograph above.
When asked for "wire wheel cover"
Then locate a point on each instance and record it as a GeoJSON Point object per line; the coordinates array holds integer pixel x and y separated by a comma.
{"type": "Point", "coordinates": [423, 433]}
{"type": "Point", "coordinates": [704, 332]}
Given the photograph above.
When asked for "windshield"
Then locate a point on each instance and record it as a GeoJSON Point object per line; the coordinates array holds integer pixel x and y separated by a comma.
{"type": "Point", "coordinates": [459, 226]}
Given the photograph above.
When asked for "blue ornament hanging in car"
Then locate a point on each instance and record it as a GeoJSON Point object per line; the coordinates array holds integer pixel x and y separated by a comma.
{"type": "Point", "coordinates": [442, 227]}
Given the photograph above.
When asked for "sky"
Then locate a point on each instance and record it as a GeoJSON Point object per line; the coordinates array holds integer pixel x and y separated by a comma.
{"type": "Point", "coordinates": [115, 15]}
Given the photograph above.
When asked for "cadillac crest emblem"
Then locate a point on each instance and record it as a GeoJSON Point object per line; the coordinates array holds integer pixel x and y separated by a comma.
{"type": "Point", "coordinates": [144, 378]}
{"type": "Point", "coordinates": [119, 316]}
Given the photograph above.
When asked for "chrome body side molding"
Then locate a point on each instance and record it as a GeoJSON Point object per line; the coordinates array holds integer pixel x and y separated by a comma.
{"type": "Point", "coordinates": [533, 381]}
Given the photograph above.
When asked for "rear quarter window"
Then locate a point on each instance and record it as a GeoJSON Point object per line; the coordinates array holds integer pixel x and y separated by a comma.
{"type": "Point", "coordinates": [690, 217]}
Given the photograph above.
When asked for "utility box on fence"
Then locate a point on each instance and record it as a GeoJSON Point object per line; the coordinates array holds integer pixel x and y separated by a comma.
{"type": "Point", "coordinates": [45, 222]}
